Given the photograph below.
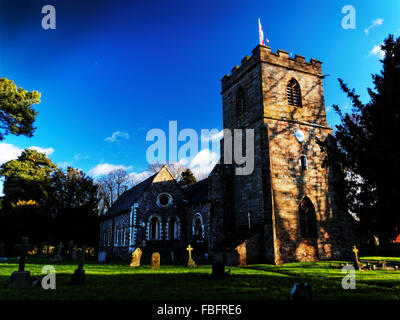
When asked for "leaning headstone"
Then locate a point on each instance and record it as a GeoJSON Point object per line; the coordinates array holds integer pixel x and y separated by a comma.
{"type": "Point", "coordinates": [2, 253]}
{"type": "Point", "coordinates": [21, 278]}
{"type": "Point", "coordinates": [191, 263]}
{"type": "Point", "coordinates": [218, 270]}
{"type": "Point", "coordinates": [242, 254]}
{"type": "Point", "coordinates": [136, 255]}
{"type": "Point", "coordinates": [301, 292]}
{"type": "Point", "coordinates": [155, 260]}
{"type": "Point", "coordinates": [78, 278]}
{"type": "Point", "coordinates": [58, 257]}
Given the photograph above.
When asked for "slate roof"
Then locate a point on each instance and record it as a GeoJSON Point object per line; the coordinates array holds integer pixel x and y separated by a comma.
{"type": "Point", "coordinates": [128, 198]}
{"type": "Point", "coordinates": [198, 192]}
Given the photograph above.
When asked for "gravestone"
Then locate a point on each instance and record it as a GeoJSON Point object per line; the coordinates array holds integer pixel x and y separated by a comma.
{"type": "Point", "coordinates": [242, 254]}
{"type": "Point", "coordinates": [155, 260]}
{"type": "Point", "coordinates": [73, 253]}
{"type": "Point", "coordinates": [102, 256]}
{"type": "Point", "coordinates": [301, 292]}
{"type": "Point", "coordinates": [191, 263]}
{"type": "Point", "coordinates": [44, 249]}
{"type": "Point", "coordinates": [34, 251]}
{"type": "Point", "coordinates": [21, 278]}
{"type": "Point", "coordinates": [58, 257]}
{"type": "Point", "coordinates": [78, 278]}
{"type": "Point", "coordinates": [136, 255]}
{"type": "Point", "coordinates": [2, 253]}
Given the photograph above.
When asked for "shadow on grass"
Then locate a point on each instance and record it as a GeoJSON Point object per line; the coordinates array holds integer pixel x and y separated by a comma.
{"type": "Point", "coordinates": [256, 282]}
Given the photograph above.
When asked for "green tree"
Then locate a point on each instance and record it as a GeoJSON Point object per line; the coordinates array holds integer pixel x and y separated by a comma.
{"type": "Point", "coordinates": [74, 207]}
{"type": "Point", "coordinates": [187, 178]}
{"type": "Point", "coordinates": [27, 178]}
{"type": "Point", "coordinates": [366, 151]}
{"type": "Point", "coordinates": [45, 203]}
{"type": "Point", "coordinates": [16, 113]}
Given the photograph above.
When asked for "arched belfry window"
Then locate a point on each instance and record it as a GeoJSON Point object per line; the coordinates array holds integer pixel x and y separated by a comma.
{"type": "Point", "coordinates": [308, 219]}
{"type": "Point", "coordinates": [240, 101]}
{"type": "Point", "coordinates": [293, 92]}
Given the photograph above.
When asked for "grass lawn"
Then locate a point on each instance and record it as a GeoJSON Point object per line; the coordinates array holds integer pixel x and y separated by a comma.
{"type": "Point", "coordinates": [116, 280]}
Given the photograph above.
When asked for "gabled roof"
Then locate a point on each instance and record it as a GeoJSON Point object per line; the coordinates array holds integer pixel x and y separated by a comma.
{"type": "Point", "coordinates": [198, 192]}
{"type": "Point", "coordinates": [128, 198]}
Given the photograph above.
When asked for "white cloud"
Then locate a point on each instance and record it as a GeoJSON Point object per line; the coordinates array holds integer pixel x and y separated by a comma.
{"type": "Point", "coordinates": [106, 168]}
{"type": "Point", "coordinates": [377, 51]}
{"type": "Point", "coordinates": [376, 23]}
{"type": "Point", "coordinates": [8, 152]}
{"type": "Point", "coordinates": [46, 151]}
{"type": "Point", "coordinates": [117, 135]}
{"type": "Point", "coordinates": [202, 164]}
{"type": "Point", "coordinates": [80, 157]}
{"type": "Point", "coordinates": [139, 177]}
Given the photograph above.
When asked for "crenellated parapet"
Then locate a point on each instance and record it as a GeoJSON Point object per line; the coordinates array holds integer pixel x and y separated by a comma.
{"type": "Point", "coordinates": [281, 58]}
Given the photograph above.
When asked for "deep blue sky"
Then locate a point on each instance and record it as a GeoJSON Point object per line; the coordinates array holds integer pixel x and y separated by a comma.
{"type": "Point", "coordinates": [131, 66]}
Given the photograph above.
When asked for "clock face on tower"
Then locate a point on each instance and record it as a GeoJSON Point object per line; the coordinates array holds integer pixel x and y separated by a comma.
{"type": "Point", "coordinates": [299, 136]}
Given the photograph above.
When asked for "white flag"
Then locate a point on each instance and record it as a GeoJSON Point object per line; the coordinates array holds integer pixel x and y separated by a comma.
{"type": "Point", "coordinates": [261, 32]}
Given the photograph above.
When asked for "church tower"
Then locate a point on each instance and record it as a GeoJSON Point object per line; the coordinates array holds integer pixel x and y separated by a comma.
{"type": "Point", "coordinates": [285, 209]}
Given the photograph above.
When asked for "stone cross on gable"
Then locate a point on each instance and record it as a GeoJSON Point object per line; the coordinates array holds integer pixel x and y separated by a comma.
{"type": "Point", "coordinates": [23, 247]}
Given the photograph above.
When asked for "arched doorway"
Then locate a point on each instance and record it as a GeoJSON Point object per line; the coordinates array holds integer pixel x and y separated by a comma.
{"type": "Point", "coordinates": [307, 219]}
{"type": "Point", "coordinates": [307, 246]}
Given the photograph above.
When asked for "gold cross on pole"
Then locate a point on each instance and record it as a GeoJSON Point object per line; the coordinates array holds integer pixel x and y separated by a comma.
{"type": "Point", "coordinates": [189, 248]}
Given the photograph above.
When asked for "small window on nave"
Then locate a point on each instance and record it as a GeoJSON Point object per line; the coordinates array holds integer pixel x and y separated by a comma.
{"type": "Point", "coordinates": [173, 232]}
{"type": "Point", "coordinates": [154, 231]}
{"type": "Point", "coordinates": [293, 93]}
{"type": "Point", "coordinates": [198, 228]}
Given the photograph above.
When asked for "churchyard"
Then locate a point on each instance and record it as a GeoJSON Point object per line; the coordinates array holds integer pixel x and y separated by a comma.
{"type": "Point", "coordinates": [118, 280]}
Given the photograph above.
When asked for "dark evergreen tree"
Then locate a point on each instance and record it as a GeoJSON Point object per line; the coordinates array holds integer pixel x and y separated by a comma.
{"type": "Point", "coordinates": [187, 178]}
{"type": "Point", "coordinates": [366, 152]}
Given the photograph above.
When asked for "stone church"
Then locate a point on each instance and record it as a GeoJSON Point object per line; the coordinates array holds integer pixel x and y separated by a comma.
{"type": "Point", "coordinates": [284, 211]}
